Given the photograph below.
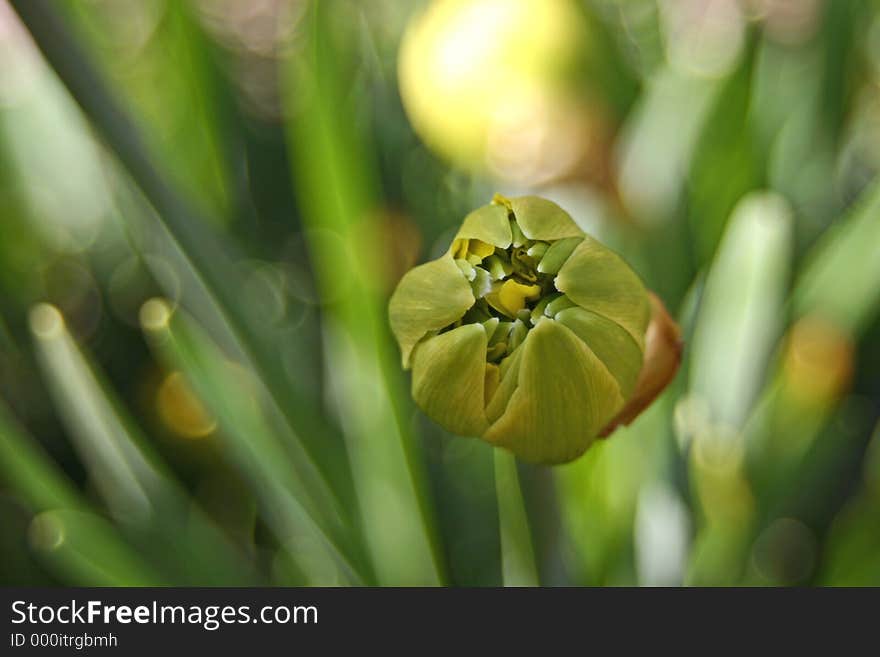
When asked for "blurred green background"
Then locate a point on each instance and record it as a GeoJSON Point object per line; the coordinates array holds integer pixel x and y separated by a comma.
{"type": "Point", "coordinates": [205, 204]}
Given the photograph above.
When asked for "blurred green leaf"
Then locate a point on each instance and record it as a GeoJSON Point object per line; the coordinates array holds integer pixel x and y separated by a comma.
{"type": "Point", "coordinates": [79, 546]}
{"type": "Point", "coordinates": [189, 230]}
{"type": "Point", "coordinates": [294, 501]}
{"type": "Point", "coordinates": [727, 162]}
{"type": "Point", "coordinates": [29, 471]}
{"type": "Point", "coordinates": [338, 192]}
{"type": "Point", "coordinates": [84, 549]}
{"type": "Point", "coordinates": [161, 65]}
{"type": "Point", "coordinates": [741, 312]}
{"type": "Point", "coordinates": [135, 486]}
{"type": "Point", "coordinates": [840, 279]}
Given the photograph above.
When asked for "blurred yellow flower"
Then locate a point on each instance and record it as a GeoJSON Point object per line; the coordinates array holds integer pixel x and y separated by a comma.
{"type": "Point", "coordinates": [488, 84]}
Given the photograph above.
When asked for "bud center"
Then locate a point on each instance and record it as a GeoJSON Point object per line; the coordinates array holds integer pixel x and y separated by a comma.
{"type": "Point", "coordinates": [513, 287]}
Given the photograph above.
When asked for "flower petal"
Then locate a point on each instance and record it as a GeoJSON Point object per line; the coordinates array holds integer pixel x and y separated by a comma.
{"type": "Point", "coordinates": [597, 279]}
{"type": "Point", "coordinates": [488, 224]}
{"type": "Point", "coordinates": [613, 345]}
{"type": "Point", "coordinates": [449, 375]}
{"type": "Point", "coordinates": [541, 219]}
{"type": "Point", "coordinates": [553, 259]}
{"type": "Point", "coordinates": [428, 298]}
{"type": "Point", "coordinates": [510, 297]}
{"type": "Point", "coordinates": [509, 373]}
{"type": "Point", "coordinates": [564, 397]}
{"type": "Point", "coordinates": [493, 379]}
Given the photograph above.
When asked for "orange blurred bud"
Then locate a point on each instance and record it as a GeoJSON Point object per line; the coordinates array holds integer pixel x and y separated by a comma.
{"type": "Point", "coordinates": [818, 362]}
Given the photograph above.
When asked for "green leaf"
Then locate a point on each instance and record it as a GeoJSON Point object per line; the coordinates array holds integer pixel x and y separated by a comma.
{"type": "Point", "coordinates": [449, 372]}
{"type": "Point", "coordinates": [337, 186]}
{"type": "Point", "coordinates": [126, 479]}
{"type": "Point", "coordinates": [564, 398]}
{"type": "Point", "coordinates": [26, 469]}
{"type": "Point", "coordinates": [428, 298]}
{"type": "Point", "coordinates": [727, 162]}
{"type": "Point", "coordinates": [203, 251]}
{"type": "Point", "coordinates": [597, 279]}
{"type": "Point", "coordinates": [295, 503]}
{"type": "Point", "coordinates": [841, 277]}
{"type": "Point", "coordinates": [742, 307]}
{"type": "Point", "coordinates": [85, 549]}
{"type": "Point", "coordinates": [136, 486]}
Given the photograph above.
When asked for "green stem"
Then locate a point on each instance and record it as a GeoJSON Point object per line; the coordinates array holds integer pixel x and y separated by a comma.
{"type": "Point", "coordinates": [518, 567]}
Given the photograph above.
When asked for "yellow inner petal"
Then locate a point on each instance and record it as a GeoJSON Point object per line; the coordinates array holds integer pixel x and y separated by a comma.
{"type": "Point", "coordinates": [481, 248]}
{"type": "Point", "coordinates": [462, 248]}
{"type": "Point", "coordinates": [513, 296]}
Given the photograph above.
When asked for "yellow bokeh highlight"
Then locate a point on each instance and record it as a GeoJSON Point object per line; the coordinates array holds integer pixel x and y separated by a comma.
{"type": "Point", "coordinates": [180, 409]}
{"type": "Point", "coordinates": [818, 364]}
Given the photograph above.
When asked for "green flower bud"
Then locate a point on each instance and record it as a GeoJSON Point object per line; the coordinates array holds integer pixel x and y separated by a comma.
{"type": "Point", "coordinates": [527, 333]}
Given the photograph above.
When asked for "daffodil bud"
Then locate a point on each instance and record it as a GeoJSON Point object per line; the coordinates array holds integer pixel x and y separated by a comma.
{"type": "Point", "coordinates": [527, 333]}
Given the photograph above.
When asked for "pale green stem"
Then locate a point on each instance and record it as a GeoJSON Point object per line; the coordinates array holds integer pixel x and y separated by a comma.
{"type": "Point", "coordinates": [518, 566]}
